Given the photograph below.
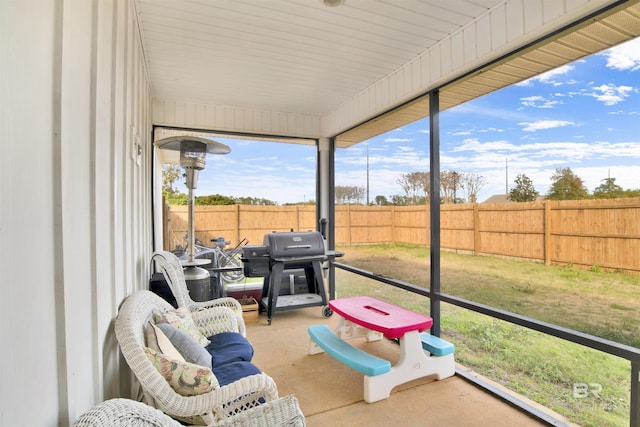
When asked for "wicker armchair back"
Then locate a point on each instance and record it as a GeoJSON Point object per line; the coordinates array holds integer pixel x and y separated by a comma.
{"type": "Point", "coordinates": [219, 403]}
{"type": "Point", "coordinates": [170, 266]}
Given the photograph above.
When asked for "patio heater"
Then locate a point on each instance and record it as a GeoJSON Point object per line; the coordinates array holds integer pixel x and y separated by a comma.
{"type": "Point", "coordinates": [193, 157]}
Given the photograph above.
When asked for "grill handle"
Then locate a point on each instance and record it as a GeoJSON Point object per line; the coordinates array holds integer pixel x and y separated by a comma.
{"type": "Point", "coordinates": [298, 247]}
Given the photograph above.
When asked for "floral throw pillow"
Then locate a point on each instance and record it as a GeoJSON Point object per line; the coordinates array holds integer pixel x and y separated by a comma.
{"type": "Point", "coordinates": [158, 341]}
{"type": "Point", "coordinates": [181, 319]}
{"type": "Point", "coordinates": [185, 378]}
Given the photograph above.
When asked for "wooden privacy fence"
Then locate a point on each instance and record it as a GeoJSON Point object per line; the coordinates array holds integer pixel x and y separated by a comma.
{"type": "Point", "coordinates": [587, 233]}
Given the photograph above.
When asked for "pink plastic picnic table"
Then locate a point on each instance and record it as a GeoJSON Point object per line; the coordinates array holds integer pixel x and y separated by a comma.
{"type": "Point", "coordinates": [380, 316]}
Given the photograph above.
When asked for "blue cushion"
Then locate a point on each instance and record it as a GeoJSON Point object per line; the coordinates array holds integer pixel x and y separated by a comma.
{"type": "Point", "coordinates": [231, 372]}
{"type": "Point", "coordinates": [189, 348]}
{"type": "Point", "coordinates": [227, 347]}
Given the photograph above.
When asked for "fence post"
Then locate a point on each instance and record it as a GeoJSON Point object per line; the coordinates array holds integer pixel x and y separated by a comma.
{"type": "Point", "coordinates": [393, 225]}
{"type": "Point", "coordinates": [166, 243]}
{"type": "Point", "coordinates": [476, 229]}
{"type": "Point", "coordinates": [349, 223]}
{"type": "Point", "coordinates": [547, 232]}
{"type": "Point", "coordinates": [238, 223]}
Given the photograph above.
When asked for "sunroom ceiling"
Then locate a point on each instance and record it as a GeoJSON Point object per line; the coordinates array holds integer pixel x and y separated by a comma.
{"type": "Point", "coordinates": [288, 55]}
{"type": "Point", "coordinates": [304, 57]}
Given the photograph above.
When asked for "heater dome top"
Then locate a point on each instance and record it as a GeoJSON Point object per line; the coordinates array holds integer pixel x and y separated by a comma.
{"type": "Point", "coordinates": [176, 143]}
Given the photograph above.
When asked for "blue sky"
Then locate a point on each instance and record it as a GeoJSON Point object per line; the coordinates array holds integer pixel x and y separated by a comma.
{"type": "Point", "coordinates": [583, 115]}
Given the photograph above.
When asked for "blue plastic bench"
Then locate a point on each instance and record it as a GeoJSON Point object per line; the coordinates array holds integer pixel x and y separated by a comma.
{"type": "Point", "coordinates": [346, 353]}
{"type": "Point", "coordinates": [435, 345]}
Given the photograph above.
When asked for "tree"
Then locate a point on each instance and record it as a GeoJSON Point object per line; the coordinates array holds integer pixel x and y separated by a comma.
{"type": "Point", "coordinates": [399, 200]}
{"type": "Point", "coordinates": [381, 201]}
{"type": "Point", "coordinates": [213, 199]}
{"type": "Point", "coordinates": [346, 194]}
{"type": "Point", "coordinates": [472, 184]}
{"type": "Point", "coordinates": [170, 174]}
{"type": "Point", "coordinates": [255, 201]}
{"type": "Point", "coordinates": [415, 186]}
{"type": "Point", "coordinates": [450, 183]}
{"type": "Point", "coordinates": [523, 191]}
{"type": "Point", "coordinates": [565, 185]}
{"type": "Point", "coordinates": [176, 198]}
{"type": "Point", "coordinates": [608, 190]}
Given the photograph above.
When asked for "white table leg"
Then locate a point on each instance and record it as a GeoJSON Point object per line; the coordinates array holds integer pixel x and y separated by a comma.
{"type": "Point", "coordinates": [414, 363]}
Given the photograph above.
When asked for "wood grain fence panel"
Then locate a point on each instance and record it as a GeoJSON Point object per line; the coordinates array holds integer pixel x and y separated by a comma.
{"type": "Point", "coordinates": [597, 252]}
{"type": "Point", "coordinates": [514, 217]}
{"type": "Point", "coordinates": [211, 223]}
{"type": "Point", "coordinates": [462, 240]}
{"type": "Point", "coordinates": [307, 218]}
{"type": "Point", "coordinates": [411, 235]}
{"type": "Point", "coordinates": [177, 224]}
{"type": "Point", "coordinates": [371, 224]}
{"type": "Point", "coordinates": [511, 229]}
{"type": "Point", "coordinates": [411, 224]}
{"type": "Point", "coordinates": [596, 233]}
{"type": "Point", "coordinates": [457, 227]}
{"type": "Point", "coordinates": [456, 216]}
{"type": "Point", "coordinates": [342, 225]}
{"type": "Point", "coordinates": [603, 233]}
{"type": "Point", "coordinates": [266, 219]}
{"type": "Point", "coordinates": [513, 245]}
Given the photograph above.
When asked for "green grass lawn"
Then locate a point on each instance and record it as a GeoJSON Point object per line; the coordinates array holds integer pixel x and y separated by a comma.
{"type": "Point", "coordinates": [590, 388]}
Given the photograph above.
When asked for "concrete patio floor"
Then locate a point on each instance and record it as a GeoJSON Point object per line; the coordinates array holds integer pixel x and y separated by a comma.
{"type": "Point", "coordinates": [331, 394]}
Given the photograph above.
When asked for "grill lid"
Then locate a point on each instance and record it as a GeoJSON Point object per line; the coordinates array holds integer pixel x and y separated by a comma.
{"type": "Point", "coordinates": [294, 244]}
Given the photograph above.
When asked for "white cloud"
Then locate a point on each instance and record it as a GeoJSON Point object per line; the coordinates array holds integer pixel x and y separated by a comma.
{"type": "Point", "coordinates": [550, 77]}
{"type": "Point", "coordinates": [406, 149]}
{"type": "Point", "coordinates": [398, 140]}
{"type": "Point", "coordinates": [625, 56]}
{"type": "Point", "coordinates": [544, 124]}
{"type": "Point", "coordinates": [538, 102]}
{"type": "Point", "coordinates": [473, 144]}
{"type": "Point", "coordinates": [611, 94]}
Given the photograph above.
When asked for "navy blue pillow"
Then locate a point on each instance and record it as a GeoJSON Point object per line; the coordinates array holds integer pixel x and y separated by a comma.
{"type": "Point", "coordinates": [231, 372]}
{"type": "Point", "coordinates": [228, 347]}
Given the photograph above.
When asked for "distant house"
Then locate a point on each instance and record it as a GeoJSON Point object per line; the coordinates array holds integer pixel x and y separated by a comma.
{"type": "Point", "coordinates": [498, 198]}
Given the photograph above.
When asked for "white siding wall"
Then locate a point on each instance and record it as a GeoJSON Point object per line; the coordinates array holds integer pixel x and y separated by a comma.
{"type": "Point", "coordinates": [231, 119]}
{"type": "Point", "coordinates": [75, 212]}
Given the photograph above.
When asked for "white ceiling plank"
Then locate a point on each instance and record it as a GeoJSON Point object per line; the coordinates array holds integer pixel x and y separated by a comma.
{"type": "Point", "coordinates": [287, 65]}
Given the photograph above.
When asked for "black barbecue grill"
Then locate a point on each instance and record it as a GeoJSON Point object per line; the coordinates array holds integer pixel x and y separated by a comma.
{"type": "Point", "coordinates": [284, 252]}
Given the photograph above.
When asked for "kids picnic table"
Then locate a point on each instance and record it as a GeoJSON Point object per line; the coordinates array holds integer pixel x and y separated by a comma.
{"type": "Point", "coordinates": [373, 319]}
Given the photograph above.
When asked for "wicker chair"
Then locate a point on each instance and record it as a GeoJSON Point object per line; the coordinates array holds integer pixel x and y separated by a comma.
{"type": "Point", "coordinates": [124, 413]}
{"type": "Point", "coordinates": [283, 412]}
{"type": "Point", "coordinates": [217, 404]}
{"type": "Point", "coordinates": [173, 273]}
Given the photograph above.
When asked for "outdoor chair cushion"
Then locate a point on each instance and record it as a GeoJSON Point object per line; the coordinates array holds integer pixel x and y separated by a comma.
{"type": "Point", "coordinates": [231, 372]}
{"type": "Point", "coordinates": [189, 348]}
{"type": "Point", "coordinates": [227, 347]}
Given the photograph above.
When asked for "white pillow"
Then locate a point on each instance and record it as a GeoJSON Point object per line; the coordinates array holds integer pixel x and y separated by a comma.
{"type": "Point", "coordinates": [157, 340]}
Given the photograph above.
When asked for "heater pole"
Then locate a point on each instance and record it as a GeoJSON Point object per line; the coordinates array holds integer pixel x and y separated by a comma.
{"type": "Point", "coordinates": [192, 227]}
